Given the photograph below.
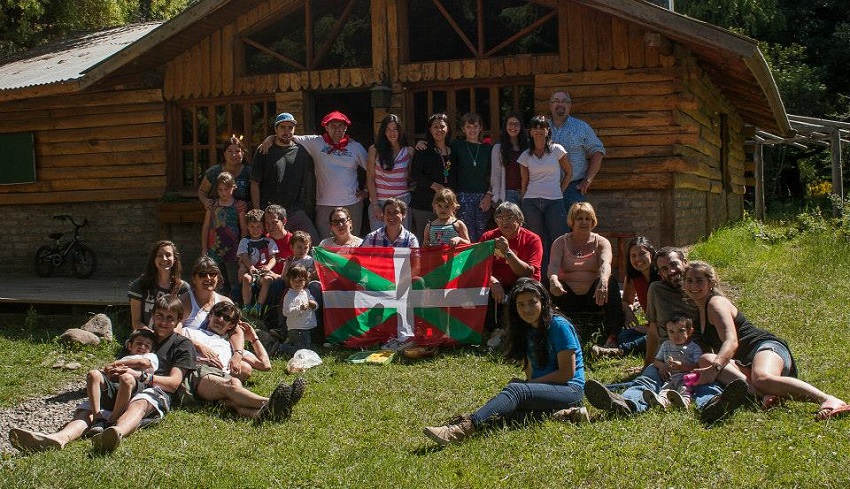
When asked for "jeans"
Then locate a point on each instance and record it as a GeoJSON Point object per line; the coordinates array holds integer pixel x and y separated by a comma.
{"type": "Point", "coordinates": [548, 219]}
{"type": "Point", "coordinates": [375, 223]}
{"type": "Point", "coordinates": [650, 379]}
{"type": "Point", "coordinates": [573, 195]}
{"type": "Point", "coordinates": [631, 340]}
{"type": "Point", "coordinates": [298, 221]}
{"type": "Point", "coordinates": [472, 215]}
{"type": "Point", "coordinates": [519, 399]}
{"type": "Point", "coordinates": [513, 196]}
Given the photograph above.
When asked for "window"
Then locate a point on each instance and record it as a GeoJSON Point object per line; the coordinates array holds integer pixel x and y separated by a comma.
{"type": "Point", "coordinates": [18, 162]}
{"type": "Point", "coordinates": [205, 129]}
{"type": "Point", "coordinates": [439, 30]}
{"type": "Point", "coordinates": [340, 37]}
{"type": "Point", "coordinates": [492, 100]}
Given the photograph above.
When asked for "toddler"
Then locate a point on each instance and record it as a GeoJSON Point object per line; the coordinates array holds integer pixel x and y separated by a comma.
{"type": "Point", "coordinates": [446, 229]}
{"type": "Point", "coordinates": [299, 308]}
{"type": "Point", "coordinates": [677, 356]}
{"type": "Point", "coordinates": [257, 255]}
{"type": "Point", "coordinates": [300, 243]}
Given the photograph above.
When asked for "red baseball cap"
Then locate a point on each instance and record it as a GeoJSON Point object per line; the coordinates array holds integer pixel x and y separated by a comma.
{"type": "Point", "coordinates": [335, 116]}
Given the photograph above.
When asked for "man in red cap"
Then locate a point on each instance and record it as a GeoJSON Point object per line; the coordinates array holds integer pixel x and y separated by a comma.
{"type": "Point", "coordinates": [336, 157]}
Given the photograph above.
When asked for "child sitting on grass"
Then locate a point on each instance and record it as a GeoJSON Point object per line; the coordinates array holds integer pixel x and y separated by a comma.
{"type": "Point", "coordinates": [677, 356]}
{"type": "Point", "coordinates": [112, 391]}
{"type": "Point", "coordinates": [257, 255]}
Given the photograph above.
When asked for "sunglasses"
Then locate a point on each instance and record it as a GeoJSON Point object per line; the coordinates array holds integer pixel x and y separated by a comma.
{"type": "Point", "coordinates": [229, 319]}
{"type": "Point", "coordinates": [339, 222]}
{"type": "Point", "coordinates": [206, 274]}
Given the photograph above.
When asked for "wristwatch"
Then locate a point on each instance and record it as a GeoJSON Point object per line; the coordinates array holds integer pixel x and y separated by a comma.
{"type": "Point", "coordinates": [719, 367]}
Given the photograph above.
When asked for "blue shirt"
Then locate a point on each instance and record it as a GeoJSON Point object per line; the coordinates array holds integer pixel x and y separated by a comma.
{"type": "Point", "coordinates": [579, 140]}
{"type": "Point", "coordinates": [405, 239]}
{"type": "Point", "coordinates": [562, 336]}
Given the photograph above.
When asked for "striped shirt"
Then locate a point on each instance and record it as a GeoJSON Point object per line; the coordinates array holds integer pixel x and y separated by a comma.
{"type": "Point", "coordinates": [393, 183]}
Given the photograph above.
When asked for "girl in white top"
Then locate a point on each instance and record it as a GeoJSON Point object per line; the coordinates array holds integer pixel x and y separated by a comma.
{"type": "Point", "coordinates": [387, 169]}
{"type": "Point", "coordinates": [505, 170]}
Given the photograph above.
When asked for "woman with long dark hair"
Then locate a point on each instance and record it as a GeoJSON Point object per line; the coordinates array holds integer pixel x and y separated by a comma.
{"type": "Point", "coordinates": [547, 346]}
{"type": "Point", "coordinates": [433, 169]}
{"type": "Point", "coordinates": [545, 173]}
{"type": "Point", "coordinates": [387, 169]}
{"type": "Point", "coordinates": [505, 174]}
{"type": "Point", "coordinates": [162, 277]}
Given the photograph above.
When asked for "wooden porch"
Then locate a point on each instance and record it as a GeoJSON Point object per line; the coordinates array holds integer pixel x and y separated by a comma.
{"type": "Point", "coordinates": [62, 291]}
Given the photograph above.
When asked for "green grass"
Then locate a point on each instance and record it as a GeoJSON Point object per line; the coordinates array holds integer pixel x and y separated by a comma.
{"type": "Point", "coordinates": [361, 425]}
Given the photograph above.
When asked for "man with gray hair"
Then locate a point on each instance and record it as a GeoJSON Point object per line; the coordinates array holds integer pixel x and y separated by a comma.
{"type": "Point", "coordinates": [518, 253]}
{"type": "Point", "coordinates": [583, 147]}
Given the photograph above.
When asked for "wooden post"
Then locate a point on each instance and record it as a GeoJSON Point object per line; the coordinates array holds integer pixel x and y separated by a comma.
{"type": "Point", "coordinates": [837, 179]}
{"type": "Point", "coordinates": [758, 159]}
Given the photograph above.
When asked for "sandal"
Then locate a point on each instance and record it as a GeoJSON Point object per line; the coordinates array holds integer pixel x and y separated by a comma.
{"type": "Point", "coordinates": [826, 413]}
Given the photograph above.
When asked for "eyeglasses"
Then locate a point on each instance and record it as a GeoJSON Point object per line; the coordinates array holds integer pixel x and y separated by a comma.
{"type": "Point", "coordinates": [339, 222]}
{"type": "Point", "coordinates": [506, 219]}
{"type": "Point", "coordinates": [514, 124]}
{"type": "Point", "coordinates": [561, 101]}
{"type": "Point", "coordinates": [206, 274]}
{"type": "Point", "coordinates": [229, 319]}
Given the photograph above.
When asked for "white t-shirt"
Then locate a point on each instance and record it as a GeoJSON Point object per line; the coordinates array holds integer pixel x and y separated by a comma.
{"type": "Point", "coordinates": [296, 318]}
{"type": "Point", "coordinates": [544, 174]}
{"type": "Point", "coordinates": [150, 356]}
{"type": "Point", "coordinates": [336, 171]}
{"type": "Point", "coordinates": [220, 345]}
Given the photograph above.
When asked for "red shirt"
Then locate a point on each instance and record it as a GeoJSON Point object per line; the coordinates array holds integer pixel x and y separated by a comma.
{"type": "Point", "coordinates": [284, 251]}
{"type": "Point", "coordinates": [528, 248]}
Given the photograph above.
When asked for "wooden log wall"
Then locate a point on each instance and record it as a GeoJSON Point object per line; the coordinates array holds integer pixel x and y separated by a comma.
{"type": "Point", "coordinates": [90, 147]}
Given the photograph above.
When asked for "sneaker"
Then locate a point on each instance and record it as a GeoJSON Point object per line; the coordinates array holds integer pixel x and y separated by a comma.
{"type": "Point", "coordinates": [577, 415]}
{"type": "Point", "coordinates": [97, 428]}
{"type": "Point", "coordinates": [602, 352]}
{"type": "Point", "coordinates": [397, 344]}
{"type": "Point", "coordinates": [602, 398]}
{"type": "Point", "coordinates": [495, 340]}
{"type": "Point", "coordinates": [677, 399]}
{"type": "Point", "coordinates": [654, 400]}
{"type": "Point", "coordinates": [296, 391]}
{"type": "Point", "coordinates": [247, 310]}
{"type": "Point", "coordinates": [723, 404]}
{"type": "Point", "coordinates": [33, 441]}
{"type": "Point", "coordinates": [279, 406]}
{"type": "Point", "coordinates": [454, 432]}
{"type": "Point", "coordinates": [108, 441]}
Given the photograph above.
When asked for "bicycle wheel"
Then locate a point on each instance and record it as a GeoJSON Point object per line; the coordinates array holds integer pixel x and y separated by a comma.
{"type": "Point", "coordinates": [83, 262]}
{"type": "Point", "coordinates": [44, 261]}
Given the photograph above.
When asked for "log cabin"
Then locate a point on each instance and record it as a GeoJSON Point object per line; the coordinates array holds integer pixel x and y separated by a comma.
{"type": "Point", "coordinates": [118, 126]}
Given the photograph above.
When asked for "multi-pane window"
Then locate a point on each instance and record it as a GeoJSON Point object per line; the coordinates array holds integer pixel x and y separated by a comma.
{"type": "Point", "coordinates": [493, 101]}
{"type": "Point", "coordinates": [206, 128]}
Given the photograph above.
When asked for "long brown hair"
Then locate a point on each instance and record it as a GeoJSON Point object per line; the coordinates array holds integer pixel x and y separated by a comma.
{"type": "Point", "coordinates": [148, 278]}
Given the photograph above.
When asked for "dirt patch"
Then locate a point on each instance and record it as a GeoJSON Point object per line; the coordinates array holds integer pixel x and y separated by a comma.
{"type": "Point", "coordinates": [46, 414]}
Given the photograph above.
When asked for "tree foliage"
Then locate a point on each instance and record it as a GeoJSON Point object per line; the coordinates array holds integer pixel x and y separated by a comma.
{"type": "Point", "coordinates": [25, 24]}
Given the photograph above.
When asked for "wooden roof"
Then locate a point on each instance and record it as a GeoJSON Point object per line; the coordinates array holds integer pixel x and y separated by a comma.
{"type": "Point", "coordinates": [734, 62]}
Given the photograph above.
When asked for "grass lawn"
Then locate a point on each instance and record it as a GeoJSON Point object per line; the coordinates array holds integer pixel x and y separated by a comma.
{"type": "Point", "coordinates": [361, 426]}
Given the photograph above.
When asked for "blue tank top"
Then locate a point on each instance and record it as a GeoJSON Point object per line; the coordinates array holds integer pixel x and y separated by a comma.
{"type": "Point", "coordinates": [441, 234]}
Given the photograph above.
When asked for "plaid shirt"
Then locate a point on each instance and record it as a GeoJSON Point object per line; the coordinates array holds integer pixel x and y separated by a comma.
{"type": "Point", "coordinates": [405, 239]}
{"type": "Point", "coordinates": [578, 138]}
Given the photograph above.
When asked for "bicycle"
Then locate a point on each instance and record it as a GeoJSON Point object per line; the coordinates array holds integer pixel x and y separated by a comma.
{"type": "Point", "coordinates": [50, 257]}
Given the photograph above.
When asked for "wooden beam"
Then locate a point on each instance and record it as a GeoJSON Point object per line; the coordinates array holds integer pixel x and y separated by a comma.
{"type": "Point", "coordinates": [837, 178]}
{"type": "Point", "coordinates": [273, 54]}
{"type": "Point", "coordinates": [456, 27]}
{"type": "Point", "coordinates": [758, 159]}
{"type": "Point", "coordinates": [337, 28]}
{"type": "Point", "coordinates": [539, 22]}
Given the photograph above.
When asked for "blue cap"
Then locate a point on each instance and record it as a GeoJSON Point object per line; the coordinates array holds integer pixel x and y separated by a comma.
{"type": "Point", "coordinates": [284, 117]}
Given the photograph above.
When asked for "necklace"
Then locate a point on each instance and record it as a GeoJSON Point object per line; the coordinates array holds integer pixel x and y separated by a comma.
{"type": "Point", "coordinates": [477, 149]}
{"type": "Point", "coordinates": [447, 163]}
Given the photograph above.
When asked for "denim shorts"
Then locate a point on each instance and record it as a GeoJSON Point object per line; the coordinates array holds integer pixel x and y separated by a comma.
{"type": "Point", "coordinates": [775, 347]}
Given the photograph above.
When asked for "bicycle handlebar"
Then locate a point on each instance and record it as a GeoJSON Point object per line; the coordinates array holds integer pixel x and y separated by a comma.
{"type": "Point", "coordinates": [64, 217]}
